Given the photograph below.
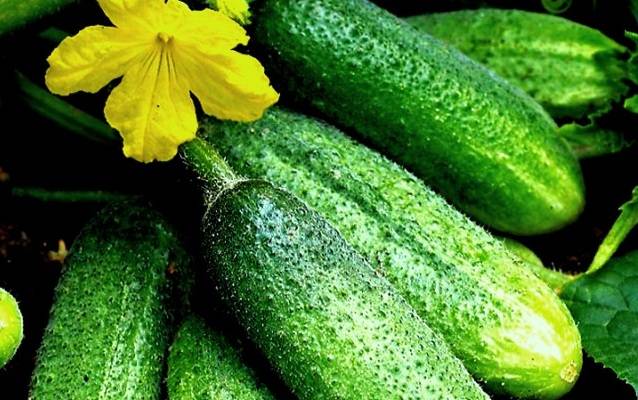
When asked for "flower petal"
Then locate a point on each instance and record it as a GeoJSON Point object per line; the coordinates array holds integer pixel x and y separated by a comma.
{"type": "Point", "coordinates": [132, 14]}
{"type": "Point", "coordinates": [152, 109]}
{"type": "Point", "coordinates": [91, 59]}
{"type": "Point", "coordinates": [229, 85]}
{"type": "Point", "coordinates": [235, 9]}
{"type": "Point", "coordinates": [210, 28]}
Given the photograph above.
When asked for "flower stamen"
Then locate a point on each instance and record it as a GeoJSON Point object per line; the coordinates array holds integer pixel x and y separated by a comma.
{"type": "Point", "coordinates": [164, 37]}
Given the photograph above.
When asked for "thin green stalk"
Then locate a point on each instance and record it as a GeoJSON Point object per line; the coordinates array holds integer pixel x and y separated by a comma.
{"type": "Point", "coordinates": [67, 196]}
{"type": "Point", "coordinates": [200, 157]}
{"type": "Point", "coordinates": [206, 163]}
{"type": "Point", "coordinates": [627, 220]}
{"type": "Point", "coordinates": [69, 117]}
{"type": "Point", "coordinates": [553, 278]}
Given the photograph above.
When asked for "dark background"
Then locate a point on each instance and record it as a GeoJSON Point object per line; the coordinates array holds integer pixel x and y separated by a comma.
{"type": "Point", "coordinates": [35, 152]}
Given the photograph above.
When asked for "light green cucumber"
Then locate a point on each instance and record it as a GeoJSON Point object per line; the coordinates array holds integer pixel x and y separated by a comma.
{"type": "Point", "coordinates": [478, 140]}
{"type": "Point", "coordinates": [111, 320]}
{"type": "Point", "coordinates": [203, 365]}
{"type": "Point", "coordinates": [571, 69]}
{"type": "Point", "coordinates": [509, 328]}
{"type": "Point", "coordinates": [11, 327]}
{"type": "Point", "coordinates": [330, 326]}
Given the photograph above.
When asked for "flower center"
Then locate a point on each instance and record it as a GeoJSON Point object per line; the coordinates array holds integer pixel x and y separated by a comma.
{"type": "Point", "coordinates": [164, 37]}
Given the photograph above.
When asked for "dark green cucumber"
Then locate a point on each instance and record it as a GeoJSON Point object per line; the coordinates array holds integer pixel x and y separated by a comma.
{"type": "Point", "coordinates": [330, 326]}
{"type": "Point", "coordinates": [571, 69]}
{"type": "Point", "coordinates": [111, 321]}
{"type": "Point", "coordinates": [15, 14]}
{"type": "Point", "coordinates": [484, 144]}
{"type": "Point", "coordinates": [11, 330]}
{"type": "Point", "coordinates": [202, 364]}
{"type": "Point", "coordinates": [510, 330]}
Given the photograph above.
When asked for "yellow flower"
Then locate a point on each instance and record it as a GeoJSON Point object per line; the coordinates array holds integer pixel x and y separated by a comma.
{"type": "Point", "coordinates": [165, 51]}
{"type": "Point", "coordinates": [236, 9]}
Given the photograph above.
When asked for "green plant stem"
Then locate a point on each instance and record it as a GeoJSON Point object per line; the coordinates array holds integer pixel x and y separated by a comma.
{"type": "Point", "coordinates": [627, 220]}
{"type": "Point", "coordinates": [15, 14]}
{"type": "Point", "coordinates": [63, 113]}
{"type": "Point", "coordinates": [553, 278]}
{"type": "Point", "coordinates": [67, 196]}
{"type": "Point", "coordinates": [207, 165]}
{"type": "Point", "coordinates": [199, 157]}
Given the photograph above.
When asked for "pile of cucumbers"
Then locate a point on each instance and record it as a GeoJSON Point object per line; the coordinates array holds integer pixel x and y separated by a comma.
{"type": "Point", "coordinates": [351, 248]}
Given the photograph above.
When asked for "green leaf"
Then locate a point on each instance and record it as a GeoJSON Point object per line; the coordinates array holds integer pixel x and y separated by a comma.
{"type": "Point", "coordinates": [605, 306]}
{"type": "Point", "coordinates": [632, 64]}
{"type": "Point", "coordinates": [627, 220]}
{"type": "Point", "coordinates": [589, 141]}
{"type": "Point", "coordinates": [631, 104]}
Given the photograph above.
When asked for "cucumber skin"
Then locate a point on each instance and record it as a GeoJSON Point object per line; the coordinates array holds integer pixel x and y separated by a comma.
{"type": "Point", "coordinates": [111, 320]}
{"type": "Point", "coordinates": [329, 325]}
{"type": "Point", "coordinates": [11, 327]}
{"type": "Point", "coordinates": [203, 365]}
{"type": "Point", "coordinates": [570, 69]}
{"type": "Point", "coordinates": [458, 277]}
{"type": "Point", "coordinates": [482, 143]}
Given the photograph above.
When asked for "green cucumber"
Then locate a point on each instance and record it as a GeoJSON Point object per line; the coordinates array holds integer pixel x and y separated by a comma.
{"type": "Point", "coordinates": [202, 364]}
{"type": "Point", "coordinates": [571, 69]}
{"type": "Point", "coordinates": [484, 144]}
{"type": "Point", "coordinates": [510, 329]}
{"type": "Point", "coordinates": [111, 320]}
{"type": "Point", "coordinates": [330, 326]}
{"type": "Point", "coordinates": [11, 327]}
{"type": "Point", "coordinates": [15, 14]}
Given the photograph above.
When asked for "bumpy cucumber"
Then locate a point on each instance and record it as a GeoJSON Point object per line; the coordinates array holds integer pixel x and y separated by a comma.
{"type": "Point", "coordinates": [202, 364]}
{"type": "Point", "coordinates": [484, 144]}
{"type": "Point", "coordinates": [569, 68]}
{"type": "Point", "coordinates": [111, 320]}
{"type": "Point", "coordinates": [11, 330]}
{"type": "Point", "coordinates": [330, 326]}
{"type": "Point", "coordinates": [510, 330]}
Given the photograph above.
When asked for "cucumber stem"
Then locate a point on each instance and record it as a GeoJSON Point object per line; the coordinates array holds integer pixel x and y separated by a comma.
{"type": "Point", "coordinates": [207, 165]}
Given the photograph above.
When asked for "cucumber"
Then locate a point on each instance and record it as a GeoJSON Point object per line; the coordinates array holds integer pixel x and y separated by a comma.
{"type": "Point", "coordinates": [111, 320]}
{"type": "Point", "coordinates": [571, 69]}
{"type": "Point", "coordinates": [15, 14]}
{"type": "Point", "coordinates": [11, 327]}
{"type": "Point", "coordinates": [202, 364]}
{"type": "Point", "coordinates": [510, 329]}
{"type": "Point", "coordinates": [330, 326]}
{"type": "Point", "coordinates": [484, 144]}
